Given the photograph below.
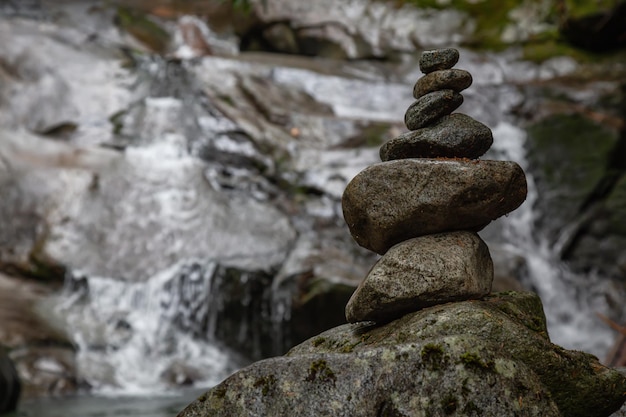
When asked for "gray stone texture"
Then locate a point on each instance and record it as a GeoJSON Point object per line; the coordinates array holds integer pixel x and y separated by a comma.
{"type": "Point", "coordinates": [453, 136]}
{"type": "Point", "coordinates": [393, 201]}
{"type": "Point", "coordinates": [422, 272]}
{"type": "Point", "coordinates": [452, 79]}
{"type": "Point", "coordinates": [427, 109]}
{"type": "Point", "coordinates": [438, 59]}
{"type": "Point", "coordinates": [472, 358]}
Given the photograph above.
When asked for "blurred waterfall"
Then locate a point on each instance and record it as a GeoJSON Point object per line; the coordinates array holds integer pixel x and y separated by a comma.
{"type": "Point", "coordinates": [571, 301]}
{"type": "Point", "coordinates": [141, 338]}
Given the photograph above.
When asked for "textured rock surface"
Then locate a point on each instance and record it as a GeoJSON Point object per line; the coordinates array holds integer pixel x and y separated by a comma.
{"type": "Point", "coordinates": [33, 340]}
{"type": "Point", "coordinates": [431, 107]}
{"type": "Point", "coordinates": [438, 59]}
{"type": "Point", "coordinates": [453, 79]}
{"type": "Point", "coordinates": [453, 136]}
{"type": "Point", "coordinates": [473, 358]}
{"type": "Point", "coordinates": [397, 200]}
{"type": "Point", "coordinates": [590, 177]}
{"type": "Point", "coordinates": [422, 272]}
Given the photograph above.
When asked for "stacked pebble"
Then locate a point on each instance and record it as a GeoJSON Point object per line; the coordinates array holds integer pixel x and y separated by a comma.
{"type": "Point", "coordinates": [422, 206]}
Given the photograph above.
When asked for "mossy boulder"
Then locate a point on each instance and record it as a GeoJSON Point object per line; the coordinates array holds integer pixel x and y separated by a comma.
{"type": "Point", "coordinates": [601, 240]}
{"type": "Point", "coordinates": [567, 153]}
{"type": "Point", "coordinates": [582, 191]}
{"type": "Point", "coordinates": [472, 358]}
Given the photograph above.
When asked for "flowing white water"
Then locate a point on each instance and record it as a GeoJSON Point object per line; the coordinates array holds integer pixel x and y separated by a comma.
{"type": "Point", "coordinates": [571, 301]}
{"type": "Point", "coordinates": [143, 338]}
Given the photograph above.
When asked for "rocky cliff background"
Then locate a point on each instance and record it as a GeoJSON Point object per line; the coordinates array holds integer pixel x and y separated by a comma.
{"type": "Point", "coordinates": [171, 171]}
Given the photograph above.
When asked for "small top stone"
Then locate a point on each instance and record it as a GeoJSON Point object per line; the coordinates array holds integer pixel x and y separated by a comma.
{"type": "Point", "coordinates": [438, 59]}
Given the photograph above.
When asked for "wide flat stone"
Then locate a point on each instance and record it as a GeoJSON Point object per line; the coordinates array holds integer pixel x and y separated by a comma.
{"type": "Point", "coordinates": [422, 272]}
{"type": "Point", "coordinates": [449, 79]}
{"type": "Point", "coordinates": [430, 107]}
{"type": "Point", "coordinates": [453, 136]}
{"type": "Point", "coordinates": [438, 59]}
{"type": "Point", "coordinates": [393, 201]}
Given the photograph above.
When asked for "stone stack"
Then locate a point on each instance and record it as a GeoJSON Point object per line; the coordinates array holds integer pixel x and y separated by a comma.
{"type": "Point", "coordinates": [422, 206]}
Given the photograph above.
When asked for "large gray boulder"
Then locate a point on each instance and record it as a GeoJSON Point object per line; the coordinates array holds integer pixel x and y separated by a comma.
{"type": "Point", "coordinates": [393, 201]}
{"type": "Point", "coordinates": [472, 358]}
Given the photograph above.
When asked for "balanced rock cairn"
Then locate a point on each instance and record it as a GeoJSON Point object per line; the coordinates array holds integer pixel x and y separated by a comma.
{"type": "Point", "coordinates": [421, 207]}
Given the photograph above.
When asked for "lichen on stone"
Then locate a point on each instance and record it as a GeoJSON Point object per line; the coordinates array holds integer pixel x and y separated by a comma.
{"type": "Point", "coordinates": [320, 371]}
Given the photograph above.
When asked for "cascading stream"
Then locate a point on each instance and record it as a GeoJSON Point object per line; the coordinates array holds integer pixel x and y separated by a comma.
{"type": "Point", "coordinates": [571, 301]}
{"type": "Point", "coordinates": [142, 338]}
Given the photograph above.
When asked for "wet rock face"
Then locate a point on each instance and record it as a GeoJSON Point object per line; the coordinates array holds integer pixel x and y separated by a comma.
{"type": "Point", "coordinates": [34, 342]}
{"type": "Point", "coordinates": [591, 181]}
{"type": "Point", "coordinates": [397, 200]}
{"type": "Point", "coordinates": [469, 358]}
{"type": "Point", "coordinates": [355, 30]}
{"type": "Point", "coordinates": [10, 386]}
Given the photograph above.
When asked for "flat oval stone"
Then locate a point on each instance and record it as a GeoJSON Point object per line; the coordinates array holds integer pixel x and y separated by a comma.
{"type": "Point", "coordinates": [393, 201]}
{"type": "Point", "coordinates": [453, 136]}
{"type": "Point", "coordinates": [427, 109]}
{"type": "Point", "coordinates": [423, 272]}
{"type": "Point", "coordinates": [438, 59]}
{"type": "Point", "coordinates": [448, 79]}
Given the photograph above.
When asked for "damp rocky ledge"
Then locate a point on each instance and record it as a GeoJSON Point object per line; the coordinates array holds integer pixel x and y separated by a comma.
{"type": "Point", "coordinates": [489, 357]}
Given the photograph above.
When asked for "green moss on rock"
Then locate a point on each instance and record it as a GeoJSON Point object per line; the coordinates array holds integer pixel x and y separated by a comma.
{"type": "Point", "coordinates": [540, 51]}
{"type": "Point", "coordinates": [473, 359]}
{"type": "Point", "coordinates": [522, 306]}
{"type": "Point", "coordinates": [583, 147]}
{"type": "Point", "coordinates": [433, 355]}
{"type": "Point", "coordinates": [503, 367]}
{"type": "Point", "coordinates": [320, 371]}
{"type": "Point", "coordinates": [145, 30]}
{"type": "Point", "coordinates": [265, 383]}
{"type": "Point", "coordinates": [568, 153]}
{"type": "Point", "coordinates": [581, 8]}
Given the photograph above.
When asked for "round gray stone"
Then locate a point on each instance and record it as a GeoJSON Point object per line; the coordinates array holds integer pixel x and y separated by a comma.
{"type": "Point", "coordinates": [393, 201]}
{"type": "Point", "coordinates": [452, 79]}
{"type": "Point", "coordinates": [438, 59]}
{"type": "Point", "coordinates": [453, 136]}
{"type": "Point", "coordinates": [430, 107]}
{"type": "Point", "coordinates": [423, 272]}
